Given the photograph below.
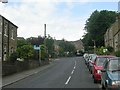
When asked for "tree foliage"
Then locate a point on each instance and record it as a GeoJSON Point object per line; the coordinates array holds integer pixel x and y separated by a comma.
{"type": "Point", "coordinates": [66, 46]}
{"type": "Point", "coordinates": [13, 56]}
{"type": "Point", "coordinates": [117, 53]}
{"type": "Point", "coordinates": [43, 52]}
{"type": "Point", "coordinates": [25, 51]}
{"type": "Point", "coordinates": [50, 45]}
{"type": "Point", "coordinates": [96, 26]}
{"type": "Point", "coordinates": [35, 41]}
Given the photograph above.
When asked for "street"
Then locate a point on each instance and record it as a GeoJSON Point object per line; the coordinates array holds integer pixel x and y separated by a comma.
{"type": "Point", "coordinates": [64, 73]}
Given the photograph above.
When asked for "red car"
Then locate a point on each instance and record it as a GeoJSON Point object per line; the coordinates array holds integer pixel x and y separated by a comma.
{"type": "Point", "coordinates": [98, 66]}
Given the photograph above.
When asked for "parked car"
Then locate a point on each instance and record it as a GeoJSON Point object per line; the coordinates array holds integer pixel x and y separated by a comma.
{"type": "Point", "coordinates": [91, 61]}
{"type": "Point", "coordinates": [86, 56]}
{"type": "Point", "coordinates": [89, 58]}
{"type": "Point", "coordinates": [110, 77]}
{"type": "Point", "coordinates": [98, 66]}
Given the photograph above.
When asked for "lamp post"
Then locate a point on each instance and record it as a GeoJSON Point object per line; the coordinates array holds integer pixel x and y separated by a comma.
{"type": "Point", "coordinates": [94, 46]}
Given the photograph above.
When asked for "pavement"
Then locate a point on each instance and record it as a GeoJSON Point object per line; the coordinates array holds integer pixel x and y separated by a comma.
{"type": "Point", "coordinates": [7, 80]}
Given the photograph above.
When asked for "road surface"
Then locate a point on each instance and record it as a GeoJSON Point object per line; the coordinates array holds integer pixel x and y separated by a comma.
{"type": "Point", "coordinates": [64, 73]}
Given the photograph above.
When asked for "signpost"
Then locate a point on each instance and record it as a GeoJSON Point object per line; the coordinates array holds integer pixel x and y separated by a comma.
{"type": "Point", "coordinates": [39, 50]}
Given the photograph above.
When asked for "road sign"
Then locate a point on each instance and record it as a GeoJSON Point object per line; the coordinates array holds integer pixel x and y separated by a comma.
{"type": "Point", "coordinates": [36, 47]}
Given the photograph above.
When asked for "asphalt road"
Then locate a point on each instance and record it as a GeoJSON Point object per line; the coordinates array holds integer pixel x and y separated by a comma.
{"type": "Point", "coordinates": [64, 73]}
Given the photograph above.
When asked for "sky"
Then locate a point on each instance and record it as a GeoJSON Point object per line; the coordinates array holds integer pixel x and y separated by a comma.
{"type": "Point", "coordinates": [63, 18]}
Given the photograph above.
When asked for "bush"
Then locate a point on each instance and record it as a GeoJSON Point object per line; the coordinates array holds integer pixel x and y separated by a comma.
{"type": "Point", "coordinates": [110, 49]}
{"type": "Point", "coordinates": [117, 53]}
{"type": "Point", "coordinates": [13, 57]}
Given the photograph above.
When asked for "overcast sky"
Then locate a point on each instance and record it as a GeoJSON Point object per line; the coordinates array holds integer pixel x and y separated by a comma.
{"type": "Point", "coordinates": [64, 18]}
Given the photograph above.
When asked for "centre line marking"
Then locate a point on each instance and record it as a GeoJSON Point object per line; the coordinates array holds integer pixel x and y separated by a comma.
{"type": "Point", "coordinates": [72, 72]}
{"type": "Point", "coordinates": [68, 80]}
{"type": "Point", "coordinates": [74, 67]}
{"type": "Point", "coordinates": [75, 63]}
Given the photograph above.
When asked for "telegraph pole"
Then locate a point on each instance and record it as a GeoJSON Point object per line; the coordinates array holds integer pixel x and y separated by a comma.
{"type": "Point", "coordinates": [94, 46]}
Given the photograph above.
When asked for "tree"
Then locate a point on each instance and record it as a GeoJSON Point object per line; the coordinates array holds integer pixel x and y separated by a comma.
{"type": "Point", "coordinates": [50, 45]}
{"type": "Point", "coordinates": [22, 42]}
{"type": "Point", "coordinates": [117, 53]}
{"type": "Point", "coordinates": [35, 41]}
{"type": "Point", "coordinates": [97, 25]}
{"type": "Point", "coordinates": [66, 47]}
{"type": "Point", "coordinates": [110, 49]}
{"type": "Point", "coordinates": [25, 51]}
{"type": "Point", "coordinates": [13, 57]}
{"type": "Point", "coordinates": [44, 54]}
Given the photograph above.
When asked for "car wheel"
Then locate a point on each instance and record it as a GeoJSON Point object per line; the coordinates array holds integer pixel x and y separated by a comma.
{"type": "Point", "coordinates": [92, 76]}
{"type": "Point", "coordinates": [102, 86]}
{"type": "Point", "coordinates": [91, 71]}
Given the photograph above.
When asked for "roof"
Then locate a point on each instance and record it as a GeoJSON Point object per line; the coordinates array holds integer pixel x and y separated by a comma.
{"type": "Point", "coordinates": [8, 21]}
{"type": "Point", "coordinates": [106, 56]}
{"type": "Point", "coordinates": [116, 58]}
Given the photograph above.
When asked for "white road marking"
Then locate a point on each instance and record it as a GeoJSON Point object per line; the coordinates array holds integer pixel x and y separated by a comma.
{"type": "Point", "coordinates": [74, 67]}
{"type": "Point", "coordinates": [68, 80]}
{"type": "Point", "coordinates": [35, 72]}
{"type": "Point", "coordinates": [75, 63]}
{"type": "Point", "coordinates": [72, 72]}
{"type": "Point", "coordinates": [57, 59]}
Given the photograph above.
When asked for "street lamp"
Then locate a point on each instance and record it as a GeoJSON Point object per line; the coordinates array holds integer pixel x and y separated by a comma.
{"type": "Point", "coordinates": [94, 46]}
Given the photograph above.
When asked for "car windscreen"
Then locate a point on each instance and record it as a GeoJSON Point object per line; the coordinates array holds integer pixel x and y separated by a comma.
{"type": "Point", "coordinates": [114, 65]}
{"type": "Point", "coordinates": [100, 61]}
{"type": "Point", "coordinates": [93, 57]}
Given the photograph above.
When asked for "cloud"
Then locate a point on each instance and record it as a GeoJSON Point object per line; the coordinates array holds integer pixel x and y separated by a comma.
{"type": "Point", "coordinates": [83, 1]}
{"type": "Point", "coordinates": [31, 17]}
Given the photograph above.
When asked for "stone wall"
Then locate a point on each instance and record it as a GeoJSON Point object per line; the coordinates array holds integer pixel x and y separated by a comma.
{"type": "Point", "coordinates": [9, 68]}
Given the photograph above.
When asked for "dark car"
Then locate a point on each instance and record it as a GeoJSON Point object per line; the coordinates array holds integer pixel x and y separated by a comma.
{"type": "Point", "coordinates": [110, 77]}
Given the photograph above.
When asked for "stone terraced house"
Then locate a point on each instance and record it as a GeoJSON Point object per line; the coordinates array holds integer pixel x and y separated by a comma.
{"type": "Point", "coordinates": [8, 38]}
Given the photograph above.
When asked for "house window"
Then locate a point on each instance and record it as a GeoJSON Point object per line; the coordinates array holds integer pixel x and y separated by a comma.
{"type": "Point", "coordinates": [5, 49]}
{"type": "Point", "coordinates": [12, 50]}
{"type": "Point", "coordinates": [5, 52]}
{"type": "Point", "coordinates": [0, 22]}
{"type": "Point", "coordinates": [5, 29]}
{"type": "Point", "coordinates": [12, 34]}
